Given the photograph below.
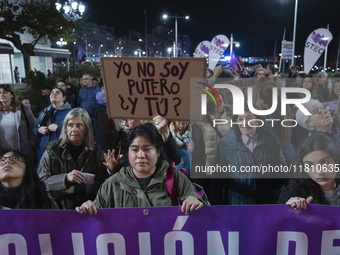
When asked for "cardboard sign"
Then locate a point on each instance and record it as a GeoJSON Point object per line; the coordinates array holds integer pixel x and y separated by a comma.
{"type": "Point", "coordinates": [142, 88]}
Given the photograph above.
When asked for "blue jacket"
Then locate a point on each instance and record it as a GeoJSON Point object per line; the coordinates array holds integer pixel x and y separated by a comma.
{"type": "Point", "coordinates": [50, 136]}
{"type": "Point", "coordinates": [247, 187]}
{"type": "Point", "coordinates": [87, 98]}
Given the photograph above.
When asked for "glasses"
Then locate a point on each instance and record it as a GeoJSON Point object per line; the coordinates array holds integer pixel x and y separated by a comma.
{"type": "Point", "coordinates": [12, 160]}
{"type": "Point", "coordinates": [319, 110]}
{"type": "Point", "coordinates": [126, 121]}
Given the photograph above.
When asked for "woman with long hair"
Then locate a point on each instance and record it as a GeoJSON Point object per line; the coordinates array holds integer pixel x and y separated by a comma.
{"type": "Point", "coordinates": [319, 159]}
{"type": "Point", "coordinates": [50, 121]}
{"type": "Point", "coordinates": [71, 166]}
{"type": "Point", "coordinates": [146, 176]}
{"type": "Point", "coordinates": [335, 91]}
{"type": "Point", "coordinates": [181, 132]}
{"type": "Point", "coordinates": [16, 124]}
{"type": "Point", "coordinates": [310, 83]}
{"type": "Point", "coordinates": [20, 187]}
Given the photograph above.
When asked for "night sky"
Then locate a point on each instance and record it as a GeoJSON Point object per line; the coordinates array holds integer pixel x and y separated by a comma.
{"type": "Point", "coordinates": [256, 24]}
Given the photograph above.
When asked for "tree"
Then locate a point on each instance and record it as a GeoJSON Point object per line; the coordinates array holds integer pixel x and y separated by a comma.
{"type": "Point", "coordinates": [39, 18]}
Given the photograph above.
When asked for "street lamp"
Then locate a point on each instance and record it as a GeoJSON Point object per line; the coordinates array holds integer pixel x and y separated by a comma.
{"type": "Point", "coordinates": [100, 46]}
{"type": "Point", "coordinates": [294, 32]}
{"type": "Point", "coordinates": [72, 9]}
{"type": "Point", "coordinates": [175, 17]}
{"type": "Point", "coordinates": [61, 42]}
{"type": "Point", "coordinates": [232, 42]}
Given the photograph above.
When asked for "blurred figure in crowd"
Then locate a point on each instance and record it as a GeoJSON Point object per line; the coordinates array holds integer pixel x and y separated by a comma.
{"type": "Point", "coordinates": [49, 123]}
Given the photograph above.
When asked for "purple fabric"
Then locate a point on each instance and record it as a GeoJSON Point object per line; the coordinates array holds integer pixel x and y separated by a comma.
{"type": "Point", "coordinates": [81, 52]}
{"type": "Point", "coordinates": [256, 230]}
{"type": "Point", "coordinates": [233, 61]}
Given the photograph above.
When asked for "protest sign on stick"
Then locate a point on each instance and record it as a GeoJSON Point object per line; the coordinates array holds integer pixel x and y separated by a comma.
{"type": "Point", "coordinates": [142, 88]}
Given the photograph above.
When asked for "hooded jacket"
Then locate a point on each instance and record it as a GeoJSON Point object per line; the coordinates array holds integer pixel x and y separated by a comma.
{"type": "Point", "coordinates": [123, 190]}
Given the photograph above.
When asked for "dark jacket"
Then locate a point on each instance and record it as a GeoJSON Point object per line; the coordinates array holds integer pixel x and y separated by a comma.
{"type": "Point", "coordinates": [57, 162]}
{"type": "Point", "coordinates": [87, 98]}
{"type": "Point", "coordinates": [46, 119]}
{"type": "Point", "coordinates": [249, 187]}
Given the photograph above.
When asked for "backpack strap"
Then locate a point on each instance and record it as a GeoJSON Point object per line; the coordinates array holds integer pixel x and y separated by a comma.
{"type": "Point", "coordinates": [170, 185]}
{"type": "Point", "coordinates": [215, 128]}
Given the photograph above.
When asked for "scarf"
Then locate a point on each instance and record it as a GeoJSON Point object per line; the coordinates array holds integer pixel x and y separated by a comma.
{"type": "Point", "coordinates": [180, 138]}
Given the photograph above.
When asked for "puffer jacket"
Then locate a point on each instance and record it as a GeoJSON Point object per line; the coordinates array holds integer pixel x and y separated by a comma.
{"type": "Point", "coordinates": [248, 187]}
{"type": "Point", "coordinates": [123, 190]}
{"type": "Point", "coordinates": [211, 138]}
{"type": "Point", "coordinates": [57, 162]}
{"type": "Point", "coordinates": [87, 98]}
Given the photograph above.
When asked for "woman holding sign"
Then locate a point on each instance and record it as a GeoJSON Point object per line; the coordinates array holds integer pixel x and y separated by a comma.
{"type": "Point", "coordinates": [144, 183]}
{"type": "Point", "coordinates": [318, 159]}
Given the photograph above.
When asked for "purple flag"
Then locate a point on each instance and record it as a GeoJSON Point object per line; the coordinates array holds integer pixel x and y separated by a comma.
{"type": "Point", "coordinates": [233, 61]}
{"type": "Point", "coordinates": [81, 52]}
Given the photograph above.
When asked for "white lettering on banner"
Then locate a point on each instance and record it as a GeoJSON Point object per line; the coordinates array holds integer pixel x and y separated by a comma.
{"type": "Point", "coordinates": [144, 243]}
{"type": "Point", "coordinates": [215, 243]}
{"type": "Point", "coordinates": [16, 239]}
{"type": "Point", "coordinates": [180, 221]}
{"type": "Point", "coordinates": [283, 239]}
{"type": "Point", "coordinates": [172, 237]}
{"type": "Point", "coordinates": [328, 238]}
{"type": "Point", "coordinates": [185, 238]}
{"type": "Point", "coordinates": [13, 243]}
{"type": "Point", "coordinates": [45, 244]}
{"type": "Point", "coordinates": [116, 239]}
{"type": "Point", "coordinates": [78, 243]}
{"type": "Point", "coordinates": [238, 100]}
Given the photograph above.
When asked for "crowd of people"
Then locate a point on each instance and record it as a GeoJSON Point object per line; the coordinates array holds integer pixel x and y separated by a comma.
{"type": "Point", "coordinates": [71, 155]}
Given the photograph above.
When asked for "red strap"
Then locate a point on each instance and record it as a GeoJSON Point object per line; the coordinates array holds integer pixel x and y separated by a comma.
{"type": "Point", "coordinates": [170, 180]}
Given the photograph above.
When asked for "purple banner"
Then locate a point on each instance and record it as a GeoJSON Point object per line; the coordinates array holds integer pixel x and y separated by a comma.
{"type": "Point", "coordinates": [262, 230]}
